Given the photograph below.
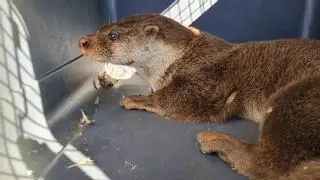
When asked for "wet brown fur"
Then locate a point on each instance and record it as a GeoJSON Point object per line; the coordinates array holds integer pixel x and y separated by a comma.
{"type": "Point", "coordinates": [274, 83]}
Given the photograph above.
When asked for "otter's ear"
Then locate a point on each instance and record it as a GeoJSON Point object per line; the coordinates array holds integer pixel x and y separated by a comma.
{"type": "Point", "coordinates": [151, 29]}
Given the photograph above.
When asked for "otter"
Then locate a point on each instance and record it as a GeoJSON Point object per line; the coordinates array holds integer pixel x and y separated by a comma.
{"type": "Point", "coordinates": [198, 77]}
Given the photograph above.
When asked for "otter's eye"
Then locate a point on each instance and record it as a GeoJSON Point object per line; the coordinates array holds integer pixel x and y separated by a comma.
{"type": "Point", "coordinates": [113, 36]}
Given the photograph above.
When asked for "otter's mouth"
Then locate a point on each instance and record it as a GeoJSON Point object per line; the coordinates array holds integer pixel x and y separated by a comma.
{"type": "Point", "coordinates": [84, 44]}
{"type": "Point", "coordinates": [125, 64]}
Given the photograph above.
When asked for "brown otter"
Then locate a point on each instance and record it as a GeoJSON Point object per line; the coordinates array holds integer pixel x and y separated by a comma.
{"type": "Point", "coordinates": [196, 76]}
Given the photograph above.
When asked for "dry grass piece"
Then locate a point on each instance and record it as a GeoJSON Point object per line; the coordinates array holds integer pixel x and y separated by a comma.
{"type": "Point", "coordinates": [85, 120]}
{"type": "Point", "coordinates": [85, 162]}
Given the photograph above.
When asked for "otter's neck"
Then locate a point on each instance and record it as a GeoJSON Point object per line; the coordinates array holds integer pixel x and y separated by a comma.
{"type": "Point", "coordinates": [157, 58]}
{"type": "Point", "coordinates": [154, 63]}
{"type": "Point", "coordinates": [215, 45]}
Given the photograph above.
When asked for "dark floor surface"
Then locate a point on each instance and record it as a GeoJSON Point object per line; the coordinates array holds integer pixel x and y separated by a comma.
{"type": "Point", "coordinates": [159, 148]}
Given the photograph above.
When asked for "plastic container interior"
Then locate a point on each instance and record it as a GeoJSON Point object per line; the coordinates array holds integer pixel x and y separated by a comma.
{"type": "Point", "coordinates": [38, 118]}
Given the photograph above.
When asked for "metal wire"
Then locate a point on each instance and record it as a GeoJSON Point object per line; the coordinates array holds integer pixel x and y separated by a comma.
{"type": "Point", "coordinates": [59, 68]}
{"type": "Point", "coordinates": [80, 130]}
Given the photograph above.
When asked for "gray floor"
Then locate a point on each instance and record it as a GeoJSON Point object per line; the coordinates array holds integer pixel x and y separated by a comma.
{"type": "Point", "coordinates": [159, 148]}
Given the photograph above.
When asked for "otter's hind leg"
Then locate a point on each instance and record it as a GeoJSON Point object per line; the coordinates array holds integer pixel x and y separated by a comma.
{"type": "Point", "coordinates": [289, 136]}
{"type": "Point", "coordinates": [237, 153]}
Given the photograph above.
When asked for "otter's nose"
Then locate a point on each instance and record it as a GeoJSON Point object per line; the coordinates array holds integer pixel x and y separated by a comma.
{"type": "Point", "coordinates": [84, 43]}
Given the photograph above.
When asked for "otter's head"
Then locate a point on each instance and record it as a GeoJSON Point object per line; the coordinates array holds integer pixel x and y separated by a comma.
{"type": "Point", "coordinates": [135, 38]}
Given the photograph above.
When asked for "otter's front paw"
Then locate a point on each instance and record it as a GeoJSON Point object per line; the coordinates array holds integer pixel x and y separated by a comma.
{"type": "Point", "coordinates": [130, 102]}
{"type": "Point", "coordinates": [207, 141]}
{"type": "Point", "coordinates": [103, 80]}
